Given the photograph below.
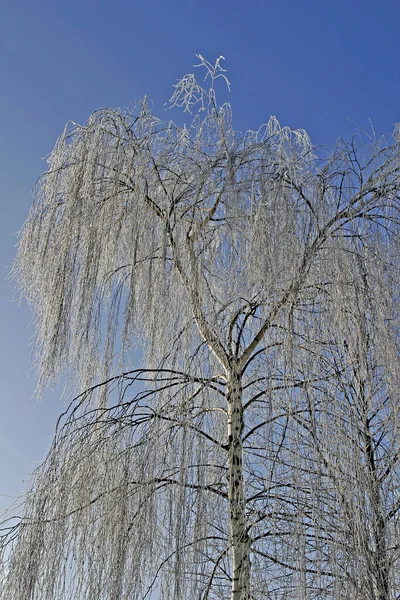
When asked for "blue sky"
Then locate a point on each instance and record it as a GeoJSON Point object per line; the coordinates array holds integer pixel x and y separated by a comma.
{"type": "Point", "coordinates": [318, 65]}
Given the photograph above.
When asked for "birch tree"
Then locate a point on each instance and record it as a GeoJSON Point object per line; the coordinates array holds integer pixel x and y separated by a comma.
{"type": "Point", "coordinates": [225, 258]}
{"type": "Point", "coordinates": [350, 428]}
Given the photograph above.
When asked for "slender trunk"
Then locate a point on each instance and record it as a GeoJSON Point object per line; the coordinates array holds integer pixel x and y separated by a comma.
{"type": "Point", "coordinates": [380, 570]}
{"type": "Point", "coordinates": [240, 541]}
{"type": "Point", "coordinates": [381, 562]}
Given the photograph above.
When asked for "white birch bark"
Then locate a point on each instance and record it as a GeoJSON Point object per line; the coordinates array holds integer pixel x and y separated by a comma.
{"type": "Point", "coordinates": [240, 542]}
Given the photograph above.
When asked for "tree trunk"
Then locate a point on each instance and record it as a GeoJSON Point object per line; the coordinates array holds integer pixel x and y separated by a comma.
{"type": "Point", "coordinates": [380, 570]}
{"type": "Point", "coordinates": [240, 541]}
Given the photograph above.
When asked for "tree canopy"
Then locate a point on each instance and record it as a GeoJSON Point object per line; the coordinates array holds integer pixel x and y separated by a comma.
{"type": "Point", "coordinates": [253, 452]}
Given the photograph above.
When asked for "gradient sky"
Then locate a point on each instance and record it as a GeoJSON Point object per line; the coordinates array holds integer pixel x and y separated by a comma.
{"type": "Point", "coordinates": [327, 67]}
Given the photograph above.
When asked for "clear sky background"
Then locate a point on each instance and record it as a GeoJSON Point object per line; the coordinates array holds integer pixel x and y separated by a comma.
{"type": "Point", "coordinates": [319, 65]}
